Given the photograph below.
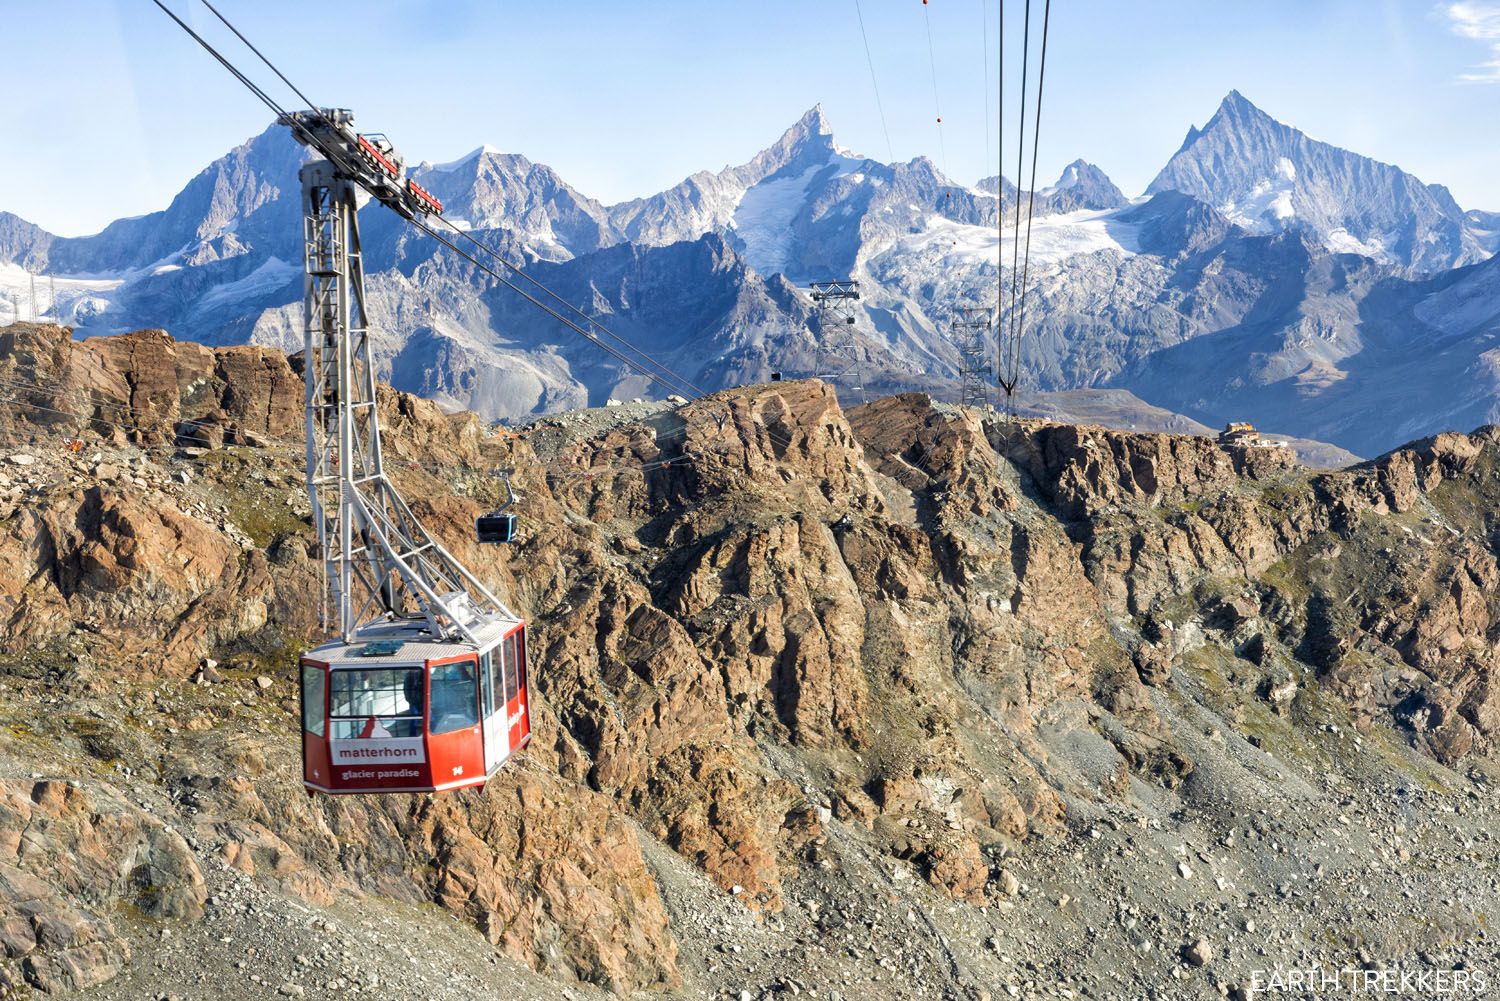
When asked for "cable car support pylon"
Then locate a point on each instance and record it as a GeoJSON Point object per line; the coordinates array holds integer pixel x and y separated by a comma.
{"type": "Point", "coordinates": [971, 330]}
{"type": "Point", "coordinates": [838, 351]}
{"type": "Point", "coordinates": [423, 687]}
{"type": "Point", "coordinates": [382, 563]}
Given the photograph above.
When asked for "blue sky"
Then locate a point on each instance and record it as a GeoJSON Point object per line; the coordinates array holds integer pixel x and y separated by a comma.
{"type": "Point", "coordinates": [625, 98]}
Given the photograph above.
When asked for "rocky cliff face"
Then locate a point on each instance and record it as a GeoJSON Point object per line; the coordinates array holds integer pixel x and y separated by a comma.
{"type": "Point", "coordinates": [807, 667]}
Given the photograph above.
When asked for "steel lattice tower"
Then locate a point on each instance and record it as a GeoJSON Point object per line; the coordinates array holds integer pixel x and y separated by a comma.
{"type": "Point", "coordinates": [971, 329]}
{"type": "Point", "coordinates": [838, 350]}
{"type": "Point", "coordinates": [382, 563]}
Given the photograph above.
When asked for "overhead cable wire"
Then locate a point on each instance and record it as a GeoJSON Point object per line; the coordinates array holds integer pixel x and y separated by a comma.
{"type": "Point", "coordinates": [984, 35]}
{"type": "Point", "coordinates": [1015, 250]}
{"type": "Point", "coordinates": [332, 155]}
{"type": "Point", "coordinates": [233, 70]}
{"type": "Point", "coordinates": [272, 66]}
{"type": "Point", "coordinates": [1031, 196]}
{"type": "Point", "coordinates": [875, 84]}
{"type": "Point", "coordinates": [650, 362]}
{"type": "Point", "coordinates": [498, 277]}
{"type": "Point", "coordinates": [1009, 374]}
{"type": "Point", "coordinates": [936, 105]}
{"type": "Point", "coordinates": [1000, 196]}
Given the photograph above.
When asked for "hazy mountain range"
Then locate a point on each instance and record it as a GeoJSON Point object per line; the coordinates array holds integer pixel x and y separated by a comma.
{"type": "Point", "coordinates": [1263, 275]}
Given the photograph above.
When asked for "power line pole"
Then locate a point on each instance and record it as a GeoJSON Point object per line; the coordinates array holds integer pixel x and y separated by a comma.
{"type": "Point", "coordinates": [838, 350]}
{"type": "Point", "coordinates": [33, 295]}
{"type": "Point", "coordinates": [971, 328]}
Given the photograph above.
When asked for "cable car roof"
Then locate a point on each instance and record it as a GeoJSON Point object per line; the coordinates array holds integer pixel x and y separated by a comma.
{"type": "Point", "coordinates": [406, 644]}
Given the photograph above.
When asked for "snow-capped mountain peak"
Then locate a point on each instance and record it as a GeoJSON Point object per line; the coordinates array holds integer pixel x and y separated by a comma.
{"type": "Point", "coordinates": [1237, 105]}
{"type": "Point", "coordinates": [468, 157]}
{"type": "Point", "coordinates": [546, 217]}
{"type": "Point", "coordinates": [1069, 178]}
{"type": "Point", "coordinates": [1081, 186]}
{"type": "Point", "coordinates": [1238, 289]}
{"type": "Point", "coordinates": [814, 122]}
{"type": "Point", "coordinates": [707, 202]}
{"type": "Point", "coordinates": [1267, 176]}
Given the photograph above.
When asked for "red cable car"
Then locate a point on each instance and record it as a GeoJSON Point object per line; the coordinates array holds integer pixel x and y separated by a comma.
{"type": "Point", "coordinates": [425, 688]}
{"type": "Point", "coordinates": [395, 711]}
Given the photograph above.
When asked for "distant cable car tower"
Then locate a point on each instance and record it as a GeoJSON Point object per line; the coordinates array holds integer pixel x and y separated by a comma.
{"type": "Point", "coordinates": [971, 329]}
{"type": "Point", "coordinates": [838, 350]}
{"type": "Point", "coordinates": [423, 687]}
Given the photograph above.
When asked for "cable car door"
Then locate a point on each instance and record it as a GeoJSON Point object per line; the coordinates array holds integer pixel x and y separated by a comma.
{"type": "Point", "coordinates": [453, 724]}
{"type": "Point", "coordinates": [496, 740]}
{"type": "Point", "coordinates": [517, 708]}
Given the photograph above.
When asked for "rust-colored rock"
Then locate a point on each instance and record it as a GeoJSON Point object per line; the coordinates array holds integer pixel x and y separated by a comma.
{"type": "Point", "coordinates": [68, 856]}
{"type": "Point", "coordinates": [899, 624]}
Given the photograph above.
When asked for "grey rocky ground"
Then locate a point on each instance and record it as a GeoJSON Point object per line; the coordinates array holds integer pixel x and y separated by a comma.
{"type": "Point", "coordinates": [1329, 861]}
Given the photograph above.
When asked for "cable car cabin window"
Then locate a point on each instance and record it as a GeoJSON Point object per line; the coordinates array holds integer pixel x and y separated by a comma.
{"type": "Point", "coordinates": [384, 702]}
{"type": "Point", "coordinates": [455, 697]}
{"type": "Point", "coordinates": [312, 699]}
{"type": "Point", "coordinates": [512, 648]}
{"type": "Point", "coordinates": [497, 676]}
{"type": "Point", "coordinates": [487, 686]}
{"type": "Point", "coordinates": [520, 641]}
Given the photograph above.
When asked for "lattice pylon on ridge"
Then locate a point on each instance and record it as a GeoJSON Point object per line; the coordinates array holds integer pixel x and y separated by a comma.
{"type": "Point", "coordinates": [971, 328]}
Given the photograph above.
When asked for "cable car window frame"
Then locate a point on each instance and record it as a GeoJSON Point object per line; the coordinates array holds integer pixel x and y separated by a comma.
{"type": "Point", "coordinates": [512, 646]}
{"type": "Point", "coordinates": [520, 635]}
{"type": "Point", "coordinates": [498, 673]}
{"type": "Point", "coordinates": [314, 699]}
{"type": "Point", "coordinates": [408, 724]}
{"type": "Point", "coordinates": [487, 686]}
{"type": "Point", "coordinates": [433, 681]}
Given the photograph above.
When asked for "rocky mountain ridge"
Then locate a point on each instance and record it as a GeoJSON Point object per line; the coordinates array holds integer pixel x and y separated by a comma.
{"type": "Point", "coordinates": [841, 701]}
{"type": "Point", "coordinates": [1267, 176]}
{"type": "Point", "coordinates": [1081, 186]}
{"type": "Point", "coordinates": [1292, 321]}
